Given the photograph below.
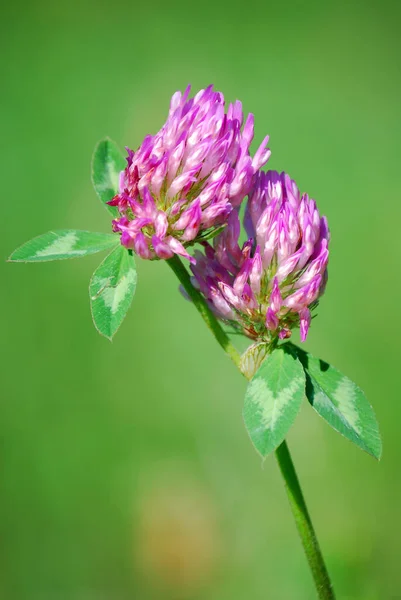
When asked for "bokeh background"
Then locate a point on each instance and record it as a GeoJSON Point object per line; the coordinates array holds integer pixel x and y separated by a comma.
{"type": "Point", "coordinates": [125, 469]}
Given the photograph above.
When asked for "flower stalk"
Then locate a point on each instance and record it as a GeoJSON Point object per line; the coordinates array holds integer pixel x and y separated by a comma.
{"type": "Point", "coordinates": [204, 310]}
{"type": "Point", "coordinates": [294, 492]}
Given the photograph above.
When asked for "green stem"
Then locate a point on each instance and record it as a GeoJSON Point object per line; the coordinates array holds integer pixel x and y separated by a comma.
{"type": "Point", "coordinates": [204, 310]}
{"type": "Point", "coordinates": [293, 488]}
{"type": "Point", "coordinates": [304, 524]}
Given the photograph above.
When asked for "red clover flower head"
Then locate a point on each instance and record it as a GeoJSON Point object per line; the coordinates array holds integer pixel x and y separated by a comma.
{"type": "Point", "coordinates": [271, 284]}
{"type": "Point", "coordinates": [182, 183]}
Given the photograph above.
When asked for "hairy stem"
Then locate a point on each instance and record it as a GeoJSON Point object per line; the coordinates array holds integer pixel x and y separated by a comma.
{"type": "Point", "coordinates": [293, 488]}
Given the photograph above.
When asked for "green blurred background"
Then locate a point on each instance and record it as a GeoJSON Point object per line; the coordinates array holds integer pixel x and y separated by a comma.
{"type": "Point", "coordinates": [125, 469]}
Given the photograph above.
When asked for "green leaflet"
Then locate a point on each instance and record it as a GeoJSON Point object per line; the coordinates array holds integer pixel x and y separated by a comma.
{"type": "Point", "coordinates": [341, 403]}
{"type": "Point", "coordinates": [62, 244]}
{"type": "Point", "coordinates": [111, 290]}
{"type": "Point", "coordinates": [273, 399]}
{"type": "Point", "coordinates": [107, 163]}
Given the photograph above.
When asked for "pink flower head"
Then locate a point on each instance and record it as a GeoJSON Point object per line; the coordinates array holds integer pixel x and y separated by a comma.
{"type": "Point", "coordinates": [273, 283]}
{"type": "Point", "coordinates": [183, 182]}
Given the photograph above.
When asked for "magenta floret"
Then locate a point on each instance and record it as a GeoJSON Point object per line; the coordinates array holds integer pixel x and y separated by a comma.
{"type": "Point", "coordinates": [271, 284]}
{"type": "Point", "coordinates": [185, 181]}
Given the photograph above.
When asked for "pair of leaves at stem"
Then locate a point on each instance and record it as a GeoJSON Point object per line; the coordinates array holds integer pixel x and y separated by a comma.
{"type": "Point", "coordinates": [113, 284]}
{"type": "Point", "coordinates": [276, 391]}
